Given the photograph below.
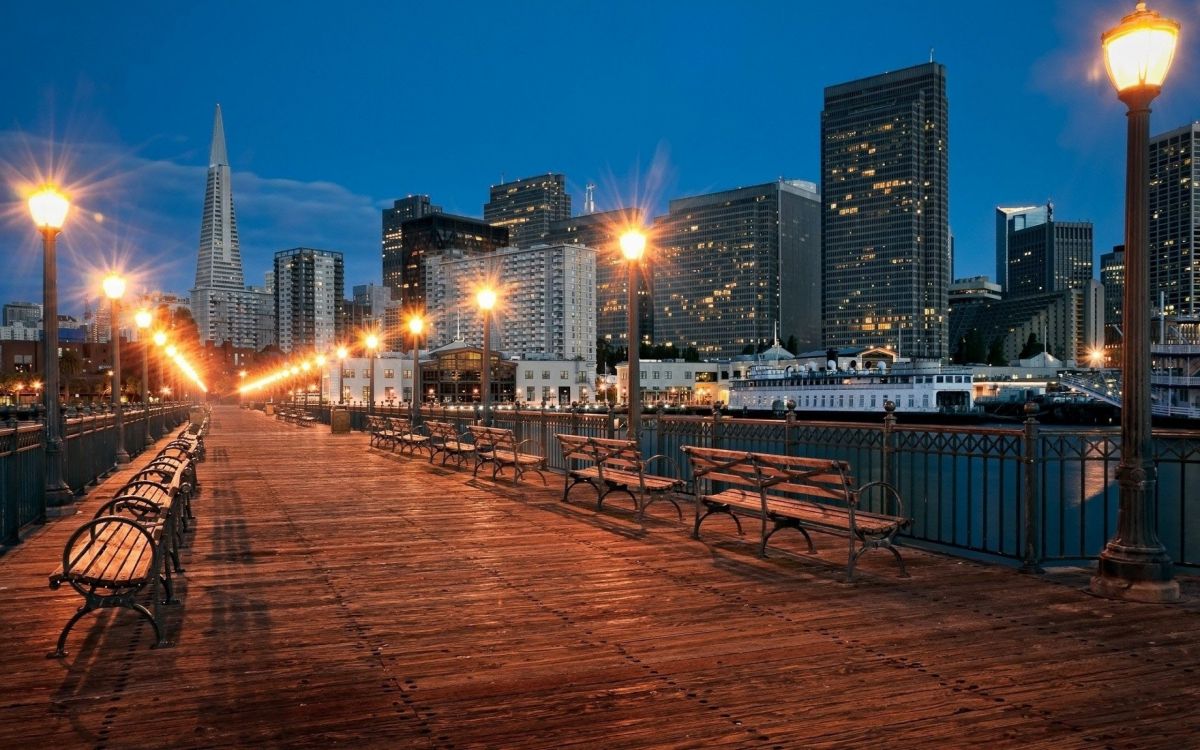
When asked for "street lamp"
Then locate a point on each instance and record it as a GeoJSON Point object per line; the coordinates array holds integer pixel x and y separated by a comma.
{"type": "Point", "coordinates": [633, 247]}
{"type": "Point", "coordinates": [143, 318]}
{"type": "Point", "coordinates": [486, 299]}
{"type": "Point", "coordinates": [416, 324]}
{"type": "Point", "coordinates": [371, 342]}
{"type": "Point", "coordinates": [342, 353]}
{"type": "Point", "coordinates": [114, 289]}
{"type": "Point", "coordinates": [1134, 564]}
{"type": "Point", "coordinates": [49, 210]}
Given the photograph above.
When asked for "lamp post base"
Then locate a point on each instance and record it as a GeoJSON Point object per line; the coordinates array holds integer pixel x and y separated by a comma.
{"type": "Point", "coordinates": [1136, 574]}
{"type": "Point", "coordinates": [122, 458]}
{"type": "Point", "coordinates": [56, 497]}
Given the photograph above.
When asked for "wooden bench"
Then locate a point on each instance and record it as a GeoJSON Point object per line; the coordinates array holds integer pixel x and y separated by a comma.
{"type": "Point", "coordinates": [614, 465]}
{"type": "Point", "coordinates": [444, 438]}
{"type": "Point", "coordinates": [499, 447]}
{"type": "Point", "coordinates": [380, 430]}
{"type": "Point", "coordinates": [408, 437]}
{"type": "Point", "coordinates": [786, 492]}
{"type": "Point", "coordinates": [109, 561]}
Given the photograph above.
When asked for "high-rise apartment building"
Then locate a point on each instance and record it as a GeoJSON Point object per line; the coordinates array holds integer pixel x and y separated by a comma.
{"type": "Point", "coordinates": [885, 233]}
{"type": "Point", "coordinates": [404, 265]}
{"type": "Point", "coordinates": [1048, 257]}
{"type": "Point", "coordinates": [25, 313]}
{"type": "Point", "coordinates": [1112, 277]}
{"type": "Point", "coordinates": [1174, 228]}
{"type": "Point", "coordinates": [309, 289]}
{"type": "Point", "coordinates": [412, 207]}
{"type": "Point", "coordinates": [527, 207]}
{"type": "Point", "coordinates": [728, 266]}
{"type": "Point", "coordinates": [602, 232]}
{"type": "Point", "coordinates": [547, 305]}
{"type": "Point", "coordinates": [1010, 219]}
{"type": "Point", "coordinates": [224, 309]}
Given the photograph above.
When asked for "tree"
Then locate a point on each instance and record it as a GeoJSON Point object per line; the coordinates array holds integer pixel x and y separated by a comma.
{"type": "Point", "coordinates": [690, 354]}
{"type": "Point", "coordinates": [70, 364]}
{"type": "Point", "coordinates": [792, 345]}
{"type": "Point", "coordinates": [995, 355]}
{"type": "Point", "coordinates": [971, 349]}
{"type": "Point", "coordinates": [1032, 348]}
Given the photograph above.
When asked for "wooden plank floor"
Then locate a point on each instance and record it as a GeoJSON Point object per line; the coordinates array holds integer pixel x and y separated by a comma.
{"type": "Point", "coordinates": [336, 595]}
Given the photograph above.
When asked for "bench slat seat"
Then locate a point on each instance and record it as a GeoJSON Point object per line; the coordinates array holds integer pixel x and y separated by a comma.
{"type": "Point", "coordinates": [798, 493]}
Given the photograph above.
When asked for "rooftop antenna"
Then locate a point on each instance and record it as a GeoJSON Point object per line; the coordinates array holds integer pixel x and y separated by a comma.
{"type": "Point", "coordinates": [777, 333]}
{"type": "Point", "coordinates": [589, 198]}
{"type": "Point", "coordinates": [458, 325]}
{"type": "Point", "coordinates": [931, 54]}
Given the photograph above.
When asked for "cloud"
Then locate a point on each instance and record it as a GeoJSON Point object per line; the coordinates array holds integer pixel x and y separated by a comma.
{"type": "Point", "coordinates": [144, 214]}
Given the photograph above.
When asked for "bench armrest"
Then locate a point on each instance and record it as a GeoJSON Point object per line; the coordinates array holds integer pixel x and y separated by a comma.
{"type": "Point", "coordinates": [887, 488]}
{"type": "Point", "coordinates": [662, 456]}
{"type": "Point", "coordinates": [517, 447]}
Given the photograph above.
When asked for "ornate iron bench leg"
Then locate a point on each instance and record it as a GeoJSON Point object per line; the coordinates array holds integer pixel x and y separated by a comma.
{"type": "Point", "coordinates": [61, 649]}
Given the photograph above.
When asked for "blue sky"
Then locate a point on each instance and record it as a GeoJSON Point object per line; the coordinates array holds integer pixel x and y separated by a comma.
{"type": "Point", "coordinates": [332, 112]}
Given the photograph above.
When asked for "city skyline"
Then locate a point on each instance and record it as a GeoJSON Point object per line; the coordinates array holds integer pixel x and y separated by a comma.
{"type": "Point", "coordinates": [316, 179]}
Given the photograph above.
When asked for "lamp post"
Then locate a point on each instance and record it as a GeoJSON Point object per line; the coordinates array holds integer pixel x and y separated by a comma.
{"type": "Point", "coordinates": [171, 351]}
{"type": "Point", "coordinates": [342, 353]}
{"type": "Point", "coordinates": [319, 361]}
{"type": "Point", "coordinates": [143, 318]}
{"type": "Point", "coordinates": [633, 247]}
{"type": "Point", "coordinates": [486, 299]}
{"type": "Point", "coordinates": [114, 289]}
{"type": "Point", "coordinates": [416, 324]}
{"type": "Point", "coordinates": [1134, 564]}
{"type": "Point", "coordinates": [371, 342]}
{"type": "Point", "coordinates": [49, 210]}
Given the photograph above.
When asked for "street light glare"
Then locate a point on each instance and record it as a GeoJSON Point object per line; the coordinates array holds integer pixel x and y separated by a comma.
{"type": "Point", "coordinates": [371, 341]}
{"type": "Point", "coordinates": [143, 318]}
{"type": "Point", "coordinates": [160, 338]}
{"type": "Point", "coordinates": [342, 352]}
{"type": "Point", "coordinates": [49, 208]}
{"type": "Point", "coordinates": [416, 324]}
{"type": "Point", "coordinates": [633, 244]}
{"type": "Point", "coordinates": [1139, 50]}
{"type": "Point", "coordinates": [114, 286]}
{"type": "Point", "coordinates": [486, 298]}
{"type": "Point", "coordinates": [172, 351]}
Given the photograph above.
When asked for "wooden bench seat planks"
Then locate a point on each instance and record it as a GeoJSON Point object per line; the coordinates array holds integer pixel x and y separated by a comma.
{"type": "Point", "coordinates": [786, 492]}
{"type": "Point", "coordinates": [444, 438]}
{"type": "Point", "coordinates": [499, 447]}
{"type": "Point", "coordinates": [613, 465]}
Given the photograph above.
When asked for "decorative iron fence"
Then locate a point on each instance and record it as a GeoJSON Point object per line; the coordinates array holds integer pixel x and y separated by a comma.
{"type": "Point", "coordinates": [89, 446]}
{"type": "Point", "coordinates": [1030, 493]}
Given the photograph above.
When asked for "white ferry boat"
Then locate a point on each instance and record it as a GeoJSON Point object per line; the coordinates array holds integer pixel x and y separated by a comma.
{"type": "Point", "coordinates": [915, 387]}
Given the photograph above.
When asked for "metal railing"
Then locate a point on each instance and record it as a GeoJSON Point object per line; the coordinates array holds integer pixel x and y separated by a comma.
{"type": "Point", "coordinates": [89, 445]}
{"type": "Point", "coordinates": [1030, 493]}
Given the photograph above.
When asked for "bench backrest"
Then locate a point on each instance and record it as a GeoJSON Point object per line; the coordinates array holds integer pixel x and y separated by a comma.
{"type": "Point", "coordinates": [441, 430]}
{"type": "Point", "coordinates": [110, 550]}
{"type": "Point", "coordinates": [499, 438]}
{"type": "Point", "coordinates": [811, 478]}
{"type": "Point", "coordinates": [610, 453]}
{"type": "Point", "coordinates": [376, 424]}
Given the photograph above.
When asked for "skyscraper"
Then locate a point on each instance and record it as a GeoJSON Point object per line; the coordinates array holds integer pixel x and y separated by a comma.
{"type": "Point", "coordinates": [527, 207]}
{"type": "Point", "coordinates": [1010, 219]}
{"type": "Point", "coordinates": [309, 288]}
{"type": "Point", "coordinates": [1112, 276]}
{"type": "Point", "coordinates": [885, 235]}
{"type": "Point", "coordinates": [224, 309]}
{"type": "Point", "coordinates": [1174, 230]}
{"type": "Point", "coordinates": [728, 266]}
{"type": "Point", "coordinates": [602, 232]}
{"type": "Point", "coordinates": [428, 234]}
{"type": "Point", "coordinates": [1048, 257]}
{"type": "Point", "coordinates": [412, 207]}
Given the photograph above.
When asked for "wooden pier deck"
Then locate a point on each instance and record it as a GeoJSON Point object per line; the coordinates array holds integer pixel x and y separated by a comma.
{"type": "Point", "coordinates": [341, 596]}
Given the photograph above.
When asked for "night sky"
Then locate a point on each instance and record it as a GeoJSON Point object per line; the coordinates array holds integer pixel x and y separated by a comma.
{"type": "Point", "coordinates": [332, 112]}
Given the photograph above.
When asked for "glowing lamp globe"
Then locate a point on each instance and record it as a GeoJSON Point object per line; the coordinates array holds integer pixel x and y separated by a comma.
{"type": "Point", "coordinates": [49, 208]}
{"type": "Point", "coordinates": [416, 324]}
{"type": "Point", "coordinates": [143, 318]}
{"type": "Point", "coordinates": [114, 286]}
{"type": "Point", "coordinates": [172, 351]}
{"type": "Point", "coordinates": [1139, 50]}
{"type": "Point", "coordinates": [486, 299]}
{"type": "Point", "coordinates": [160, 338]}
{"type": "Point", "coordinates": [371, 341]}
{"type": "Point", "coordinates": [633, 245]}
{"type": "Point", "coordinates": [342, 352]}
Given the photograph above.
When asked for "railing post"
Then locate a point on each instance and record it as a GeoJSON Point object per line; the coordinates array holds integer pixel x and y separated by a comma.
{"type": "Point", "coordinates": [1029, 494]}
{"type": "Point", "coordinates": [716, 426]}
{"type": "Point", "coordinates": [789, 421]}
{"type": "Point", "coordinates": [887, 449]}
{"type": "Point", "coordinates": [658, 430]}
{"type": "Point", "coordinates": [610, 429]}
{"type": "Point", "coordinates": [517, 428]}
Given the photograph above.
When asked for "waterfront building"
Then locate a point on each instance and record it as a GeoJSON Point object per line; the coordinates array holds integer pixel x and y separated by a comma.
{"type": "Point", "coordinates": [602, 232]}
{"type": "Point", "coordinates": [1056, 319]}
{"type": "Point", "coordinates": [309, 289]}
{"type": "Point", "coordinates": [22, 312]}
{"type": "Point", "coordinates": [527, 207]}
{"type": "Point", "coordinates": [404, 267]}
{"type": "Point", "coordinates": [673, 381]}
{"type": "Point", "coordinates": [885, 234]}
{"type": "Point", "coordinates": [1174, 222]}
{"type": "Point", "coordinates": [731, 265]}
{"type": "Point", "coordinates": [547, 300]}
{"type": "Point", "coordinates": [1008, 220]}
{"type": "Point", "coordinates": [402, 210]}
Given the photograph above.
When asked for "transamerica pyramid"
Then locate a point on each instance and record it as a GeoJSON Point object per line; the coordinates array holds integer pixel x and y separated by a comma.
{"type": "Point", "coordinates": [219, 262]}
